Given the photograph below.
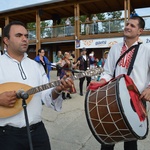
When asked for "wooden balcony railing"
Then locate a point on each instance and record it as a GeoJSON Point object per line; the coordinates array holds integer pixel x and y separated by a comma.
{"type": "Point", "coordinates": [101, 27]}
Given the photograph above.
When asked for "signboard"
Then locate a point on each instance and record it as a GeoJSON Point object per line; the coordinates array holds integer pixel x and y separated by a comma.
{"type": "Point", "coordinates": [106, 42]}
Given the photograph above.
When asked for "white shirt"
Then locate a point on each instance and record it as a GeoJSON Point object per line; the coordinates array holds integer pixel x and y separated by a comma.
{"type": "Point", "coordinates": [68, 22]}
{"type": "Point", "coordinates": [30, 73]}
{"type": "Point", "coordinates": [94, 19]}
{"type": "Point", "coordinates": [141, 68]}
{"type": "Point", "coordinates": [84, 56]}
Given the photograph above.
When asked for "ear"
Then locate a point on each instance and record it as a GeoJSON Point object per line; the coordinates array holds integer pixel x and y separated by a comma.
{"type": "Point", "coordinates": [6, 40]}
{"type": "Point", "coordinates": [140, 31]}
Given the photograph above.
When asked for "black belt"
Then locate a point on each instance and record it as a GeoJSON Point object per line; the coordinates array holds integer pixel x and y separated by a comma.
{"type": "Point", "coordinates": [12, 129]}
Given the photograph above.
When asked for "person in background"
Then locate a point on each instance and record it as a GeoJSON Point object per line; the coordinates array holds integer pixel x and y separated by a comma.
{"type": "Point", "coordinates": [41, 58]}
{"type": "Point", "coordinates": [58, 57]}
{"type": "Point", "coordinates": [95, 23]}
{"type": "Point", "coordinates": [92, 62]}
{"type": "Point", "coordinates": [72, 54]}
{"type": "Point", "coordinates": [133, 13]}
{"type": "Point", "coordinates": [140, 73]}
{"type": "Point", "coordinates": [68, 26]}
{"type": "Point", "coordinates": [72, 58]}
{"type": "Point", "coordinates": [66, 70]}
{"type": "Point", "coordinates": [87, 26]}
{"type": "Point", "coordinates": [17, 67]}
{"type": "Point", "coordinates": [101, 62]}
{"type": "Point", "coordinates": [83, 64]}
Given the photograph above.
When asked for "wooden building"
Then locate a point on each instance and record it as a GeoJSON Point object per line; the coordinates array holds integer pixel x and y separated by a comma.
{"type": "Point", "coordinates": [57, 9]}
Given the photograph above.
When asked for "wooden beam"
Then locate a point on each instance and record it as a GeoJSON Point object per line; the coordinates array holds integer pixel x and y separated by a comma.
{"type": "Point", "coordinates": [38, 32]}
{"type": "Point", "coordinates": [6, 20]}
{"type": "Point", "coordinates": [129, 8]}
{"type": "Point", "coordinates": [77, 27]}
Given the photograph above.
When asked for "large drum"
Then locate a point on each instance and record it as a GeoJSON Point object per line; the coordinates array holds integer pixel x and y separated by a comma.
{"type": "Point", "coordinates": [111, 115]}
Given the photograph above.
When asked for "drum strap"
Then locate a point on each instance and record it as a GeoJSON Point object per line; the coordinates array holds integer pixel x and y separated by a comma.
{"type": "Point", "coordinates": [134, 94]}
{"type": "Point", "coordinates": [132, 60]}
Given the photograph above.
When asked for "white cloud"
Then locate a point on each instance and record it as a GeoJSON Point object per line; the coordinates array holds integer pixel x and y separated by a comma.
{"type": "Point", "coordinates": [12, 4]}
{"type": "Point", "coordinates": [143, 11]}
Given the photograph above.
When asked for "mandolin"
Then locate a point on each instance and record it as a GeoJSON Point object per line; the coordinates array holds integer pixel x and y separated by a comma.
{"type": "Point", "coordinates": [8, 112]}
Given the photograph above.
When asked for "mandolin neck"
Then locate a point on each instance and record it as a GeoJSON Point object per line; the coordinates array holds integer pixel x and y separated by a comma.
{"type": "Point", "coordinates": [52, 84]}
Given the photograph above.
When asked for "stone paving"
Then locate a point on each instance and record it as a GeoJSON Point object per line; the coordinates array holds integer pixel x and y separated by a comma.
{"type": "Point", "coordinates": [68, 129]}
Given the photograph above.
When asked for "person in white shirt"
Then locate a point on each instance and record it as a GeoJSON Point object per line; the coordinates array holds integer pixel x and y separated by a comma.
{"type": "Point", "coordinates": [68, 26]}
{"type": "Point", "coordinates": [141, 68]}
{"type": "Point", "coordinates": [95, 23]}
{"type": "Point", "coordinates": [16, 69]}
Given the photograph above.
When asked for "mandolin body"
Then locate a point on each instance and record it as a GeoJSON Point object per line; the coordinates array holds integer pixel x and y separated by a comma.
{"type": "Point", "coordinates": [11, 111]}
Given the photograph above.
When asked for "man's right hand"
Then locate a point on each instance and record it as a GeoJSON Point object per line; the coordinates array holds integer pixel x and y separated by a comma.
{"type": "Point", "coordinates": [8, 99]}
{"type": "Point", "coordinates": [94, 85]}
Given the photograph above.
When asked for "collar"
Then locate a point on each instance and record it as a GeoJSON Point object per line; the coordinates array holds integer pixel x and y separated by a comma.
{"type": "Point", "coordinates": [135, 43]}
{"type": "Point", "coordinates": [25, 56]}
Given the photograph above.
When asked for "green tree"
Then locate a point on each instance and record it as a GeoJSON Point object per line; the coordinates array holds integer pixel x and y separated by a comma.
{"type": "Point", "coordinates": [114, 23]}
{"type": "Point", "coordinates": [32, 29]}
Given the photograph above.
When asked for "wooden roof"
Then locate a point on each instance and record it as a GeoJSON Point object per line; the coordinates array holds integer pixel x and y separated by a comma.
{"type": "Point", "coordinates": [65, 8]}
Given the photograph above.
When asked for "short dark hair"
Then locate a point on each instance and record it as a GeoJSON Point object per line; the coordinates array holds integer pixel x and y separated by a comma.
{"type": "Point", "coordinates": [6, 29]}
{"type": "Point", "coordinates": [141, 21]}
{"type": "Point", "coordinates": [39, 51]}
{"type": "Point", "coordinates": [83, 49]}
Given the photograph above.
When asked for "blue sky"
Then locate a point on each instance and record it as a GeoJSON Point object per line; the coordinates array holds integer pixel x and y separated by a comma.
{"type": "Point", "coordinates": [11, 4]}
{"type": "Point", "coordinates": [143, 12]}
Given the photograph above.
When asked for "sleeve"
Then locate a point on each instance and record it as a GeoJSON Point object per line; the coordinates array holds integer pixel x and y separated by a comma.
{"type": "Point", "coordinates": [100, 63]}
{"type": "Point", "coordinates": [55, 104]}
{"type": "Point", "coordinates": [37, 59]}
{"type": "Point", "coordinates": [46, 95]}
{"type": "Point", "coordinates": [109, 65]}
{"type": "Point", "coordinates": [78, 59]}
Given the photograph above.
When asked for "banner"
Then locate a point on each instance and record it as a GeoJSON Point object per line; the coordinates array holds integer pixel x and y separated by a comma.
{"type": "Point", "coordinates": [106, 42]}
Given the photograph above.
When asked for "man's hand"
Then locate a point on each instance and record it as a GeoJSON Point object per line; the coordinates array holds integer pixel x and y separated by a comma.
{"type": "Point", "coordinates": [145, 94]}
{"type": "Point", "coordinates": [64, 85]}
{"type": "Point", "coordinates": [94, 85]}
{"type": "Point", "coordinates": [8, 99]}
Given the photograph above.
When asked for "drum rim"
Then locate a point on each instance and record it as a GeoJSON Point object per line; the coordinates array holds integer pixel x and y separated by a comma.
{"type": "Point", "coordinates": [124, 116]}
{"type": "Point", "coordinates": [89, 122]}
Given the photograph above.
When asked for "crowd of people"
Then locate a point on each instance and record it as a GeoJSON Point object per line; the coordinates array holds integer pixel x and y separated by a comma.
{"type": "Point", "coordinates": [91, 25]}
{"type": "Point", "coordinates": [66, 65]}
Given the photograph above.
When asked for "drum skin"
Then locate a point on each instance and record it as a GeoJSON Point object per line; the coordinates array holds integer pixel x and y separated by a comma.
{"type": "Point", "coordinates": [106, 117]}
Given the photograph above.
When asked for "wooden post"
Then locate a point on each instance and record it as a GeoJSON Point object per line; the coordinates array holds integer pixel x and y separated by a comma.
{"type": "Point", "coordinates": [6, 20]}
{"type": "Point", "coordinates": [6, 23]}
{"type": "Point", "coordinates": [38, 32]}
{"type": "Point", "coordinates": [77, 27]}
{"type": "Point", "coordinates": [125, 11]}
{"type": "Point", "coordinates": [129, 9]}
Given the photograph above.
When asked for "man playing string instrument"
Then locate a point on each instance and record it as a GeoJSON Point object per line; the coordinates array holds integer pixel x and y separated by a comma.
{"type": "Point", "coordinates": [16, 67]}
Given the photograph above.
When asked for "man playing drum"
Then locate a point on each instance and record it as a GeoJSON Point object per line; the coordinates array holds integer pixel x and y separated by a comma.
{"type": "Point", "coordinates": [140, 73]}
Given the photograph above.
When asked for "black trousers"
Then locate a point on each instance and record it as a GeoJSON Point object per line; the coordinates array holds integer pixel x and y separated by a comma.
{"type": "Point", "coordinates": [82, 81]}
{"type": "Point", "coordinates": [130, 145]}
{"type": "Point", "coordinates": [17, 139]}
